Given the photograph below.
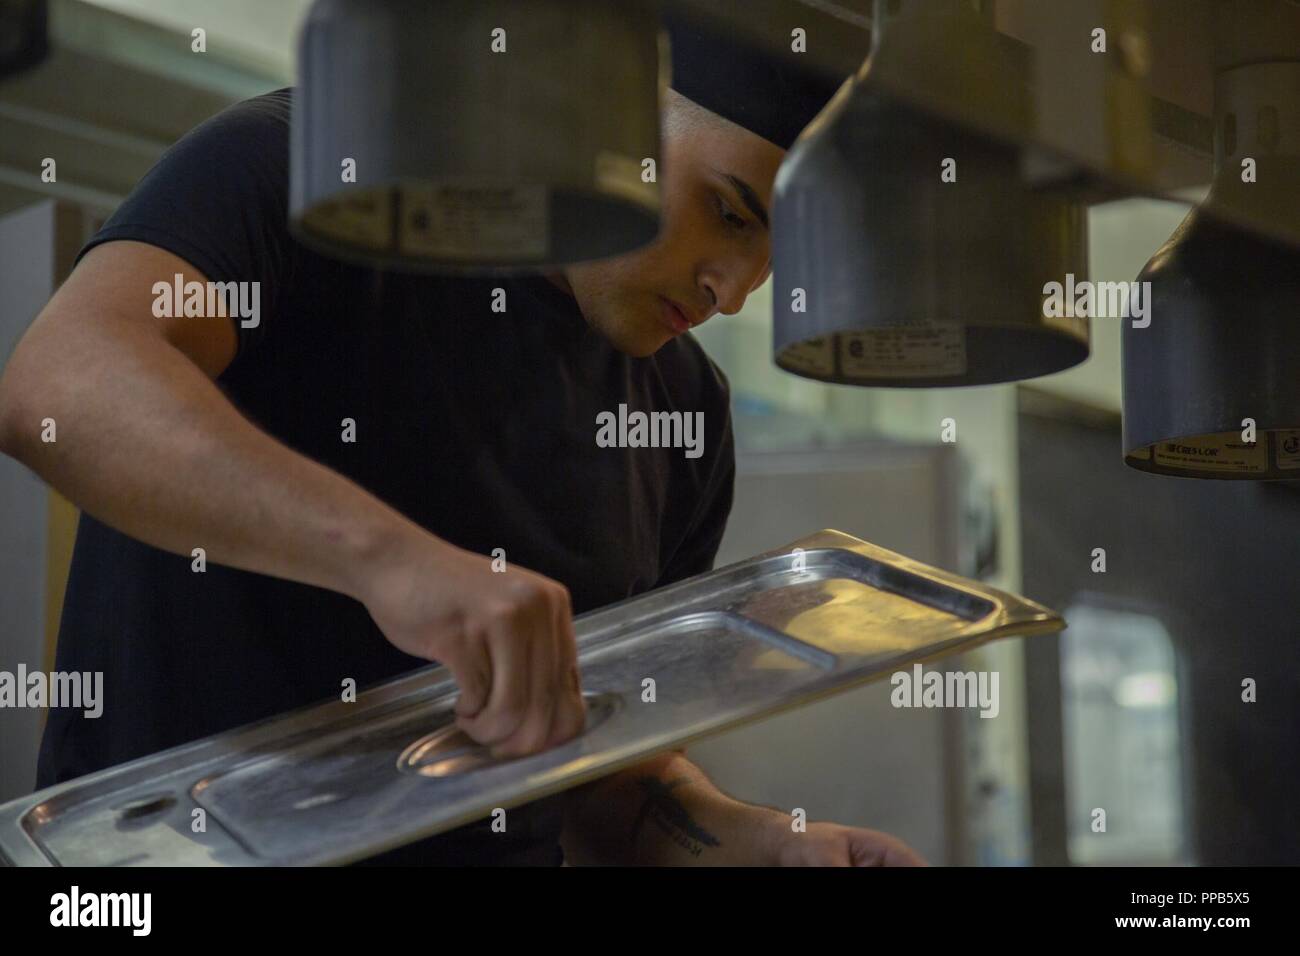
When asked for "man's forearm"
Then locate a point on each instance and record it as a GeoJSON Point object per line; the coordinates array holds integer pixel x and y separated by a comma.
{"type": "Point", "coordinates": [666, 812]}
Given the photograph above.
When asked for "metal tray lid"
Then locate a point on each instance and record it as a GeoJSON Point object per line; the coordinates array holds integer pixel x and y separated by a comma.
{"type": "Point", "coordinates": [337, 782]}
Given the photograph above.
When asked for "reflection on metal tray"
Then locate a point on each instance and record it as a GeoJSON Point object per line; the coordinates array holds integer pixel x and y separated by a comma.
{"type": "Point", "coordinates": [338, 782]}
{"type": "Point", "coordinates": [449, 750]}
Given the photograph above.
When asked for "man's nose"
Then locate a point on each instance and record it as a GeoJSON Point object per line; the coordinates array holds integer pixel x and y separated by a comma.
{"type": "Point", "coordinates": [734, 291]}
{"type": "Point", "coordinates": [730, 297]}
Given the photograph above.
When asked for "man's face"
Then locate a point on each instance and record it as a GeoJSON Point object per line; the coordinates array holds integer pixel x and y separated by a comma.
{"type": "Point", "coordinates": [713, 247]}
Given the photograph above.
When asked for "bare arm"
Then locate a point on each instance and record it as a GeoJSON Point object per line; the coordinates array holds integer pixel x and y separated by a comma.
{"type": "Point", "coordinates": [147, 443]}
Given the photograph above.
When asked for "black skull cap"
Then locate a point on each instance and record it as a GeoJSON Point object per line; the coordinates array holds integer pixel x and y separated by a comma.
{"type": "Point", "coordinates": [770, 95]}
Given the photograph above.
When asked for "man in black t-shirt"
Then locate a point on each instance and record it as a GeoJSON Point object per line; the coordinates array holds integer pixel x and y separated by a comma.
{"type": "Point", "coordinates": [279, 501]}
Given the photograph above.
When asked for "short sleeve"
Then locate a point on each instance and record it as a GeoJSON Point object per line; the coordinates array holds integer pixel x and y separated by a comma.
{"type": "Point", "coordinates": [218, 198]}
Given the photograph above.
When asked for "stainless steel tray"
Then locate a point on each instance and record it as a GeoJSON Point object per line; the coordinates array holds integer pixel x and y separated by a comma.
{"type": "Point", "coordinates": [337, 782]}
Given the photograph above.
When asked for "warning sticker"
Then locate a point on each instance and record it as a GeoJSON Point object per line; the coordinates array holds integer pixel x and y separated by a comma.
{"type": "Point", "coordinates": [475, 221]}
{"type": "Point", "coordinates": [621, 175]}
{"type": "Point", "coordinates": [1224, 453]}
{"type": "Point", "coordinates": [920, 351]}
{"type": "Point", "coordinates": [813, 357]}
{"type": "Point", "coordinates": [1288, 448]}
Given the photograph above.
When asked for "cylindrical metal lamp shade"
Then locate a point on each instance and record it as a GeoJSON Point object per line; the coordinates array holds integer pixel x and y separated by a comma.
{"type": "Point", "coordinates": [1212, 384]}
{"type": "Point", "coordinates": [885, 274]}
{"type": "Point", "coordinates": [476, 135]}
{"type": "Point", "coordinates": [1223, 347]}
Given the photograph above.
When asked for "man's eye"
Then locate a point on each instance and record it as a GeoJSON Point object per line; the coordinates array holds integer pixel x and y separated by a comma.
{"type": "Point", "coordinates": [729, 217]}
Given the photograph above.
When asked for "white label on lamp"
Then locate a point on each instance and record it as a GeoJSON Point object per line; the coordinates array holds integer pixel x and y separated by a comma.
{"type": "Point", "coordinates": [363, 219]}
{"type": "Point", "coordinates": [621, 176]}
{"type": "Point", "coordinates": [813, 357]}
{"type": "Point", "coordinates": [1288, 448]}
{"type": "Point", "coordinates": [930, 351]}
{"type": "Point", "coordinates": [475, 221]}
{"type": "Point", "coordinates": [1223, 453]}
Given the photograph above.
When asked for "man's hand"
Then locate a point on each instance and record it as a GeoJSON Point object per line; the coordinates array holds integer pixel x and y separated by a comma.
{"type": "Point", "coordinates": [830, 844]}
{"type": "Point", "coordinates": [507, 638]}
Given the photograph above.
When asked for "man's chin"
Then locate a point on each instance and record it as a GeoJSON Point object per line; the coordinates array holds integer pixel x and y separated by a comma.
{"type": "Point", "coordinates": [645, 350]}
{"type": "Point", "coordinates": [629, 330]}
{"type": "Point", "coordinates": [653, 346]}
{"type": "Point", "coordinates": [637, 344]}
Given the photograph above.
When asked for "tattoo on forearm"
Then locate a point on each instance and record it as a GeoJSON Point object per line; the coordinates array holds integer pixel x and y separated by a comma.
{"type": "Point", "coordinates": [670, 816]}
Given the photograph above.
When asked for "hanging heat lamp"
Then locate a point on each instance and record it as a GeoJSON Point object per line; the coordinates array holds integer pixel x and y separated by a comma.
{"type": "Point", "coordinates": [476, 135]}
{"type": "Point", "coordinates": [1212, 384]}
{"type": "Point", "coordinates": [884, 273]}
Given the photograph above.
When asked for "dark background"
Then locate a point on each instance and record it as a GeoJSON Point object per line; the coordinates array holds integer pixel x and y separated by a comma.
{"type": "Point", "coordinates": [1219, 563]}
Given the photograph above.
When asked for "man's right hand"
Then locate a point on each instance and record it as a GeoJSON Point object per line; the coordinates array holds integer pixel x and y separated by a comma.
{"type": "Point", "coordinates": [507, 638]}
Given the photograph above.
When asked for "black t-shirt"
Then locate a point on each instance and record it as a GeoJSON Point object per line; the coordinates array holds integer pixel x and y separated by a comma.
{"type": "Point", "coordinates": [479, 425]}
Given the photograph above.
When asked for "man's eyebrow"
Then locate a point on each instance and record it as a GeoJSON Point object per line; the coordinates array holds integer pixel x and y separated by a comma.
{"type": "Point", "coordinates": [747, 196]}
